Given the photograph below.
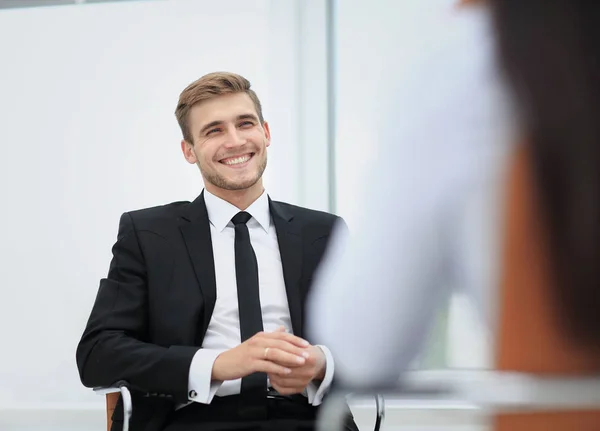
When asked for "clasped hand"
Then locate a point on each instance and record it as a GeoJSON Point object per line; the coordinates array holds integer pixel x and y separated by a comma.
{"type": "Point", "coordinates": [290, 362]}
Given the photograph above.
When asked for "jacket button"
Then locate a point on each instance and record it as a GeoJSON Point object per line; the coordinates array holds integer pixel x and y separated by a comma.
{"type": "Point", "coordinates": [193, 394]}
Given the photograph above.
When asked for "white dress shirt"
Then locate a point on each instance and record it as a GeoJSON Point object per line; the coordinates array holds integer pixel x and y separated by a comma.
{"type": "Point", "coordinates": [224, 328]}
{"type": "Point", "coordinates": [430, 220]}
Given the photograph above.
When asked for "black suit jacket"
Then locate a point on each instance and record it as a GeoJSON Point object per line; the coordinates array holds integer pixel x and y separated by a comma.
{"type": "Point", "coordinates": [153, 308]}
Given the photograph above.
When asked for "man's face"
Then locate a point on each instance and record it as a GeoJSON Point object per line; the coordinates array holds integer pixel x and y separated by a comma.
{"type": "Point", "coordinates": [230, 144]}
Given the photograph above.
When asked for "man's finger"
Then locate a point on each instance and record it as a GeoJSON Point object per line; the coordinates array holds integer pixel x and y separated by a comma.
{"type": "Point", "coordinates": [280, 356]}
{"type": "Point", "coordinates": [285, 336]}
{"type": "Point", "coordinates": [273, 343]}
{"type": "Point", "coordinates": [287, 382]}
{"type": "Point", "coordinates": [300, 373]}
{"type": "Point", "coordinates": [269, 368]}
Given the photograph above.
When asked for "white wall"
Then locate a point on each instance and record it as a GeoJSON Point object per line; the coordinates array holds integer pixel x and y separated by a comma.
{"type": "Point", "coordinates": [87, 95]}
{"type": "Point", "coordinates": [376, 43]}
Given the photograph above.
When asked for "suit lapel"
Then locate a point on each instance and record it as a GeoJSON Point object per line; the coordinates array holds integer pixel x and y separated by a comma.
{"type": "Point", "coordinates": [290, 248]}
{"type": "Point", "coordinates": [196, 234]}
{"type": "Point", "coordinates": [195, 229]}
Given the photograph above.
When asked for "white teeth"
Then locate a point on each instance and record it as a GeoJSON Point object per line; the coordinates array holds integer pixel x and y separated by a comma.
{"type": "Point", "coordinates": [237, 160]}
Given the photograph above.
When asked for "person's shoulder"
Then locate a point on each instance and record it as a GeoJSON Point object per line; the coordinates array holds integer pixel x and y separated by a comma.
{"type": "Point", "coordinates": [310, 216]}
{"type": "Point", "coordinates": [157, 215]}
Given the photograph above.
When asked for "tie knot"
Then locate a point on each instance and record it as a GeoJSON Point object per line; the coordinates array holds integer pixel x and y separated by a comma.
{"type": "Point", "coordinates": [241, 218]}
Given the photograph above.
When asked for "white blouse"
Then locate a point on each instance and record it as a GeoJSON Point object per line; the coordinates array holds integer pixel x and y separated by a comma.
{"type": "Point", "coordinates": [429, 222]}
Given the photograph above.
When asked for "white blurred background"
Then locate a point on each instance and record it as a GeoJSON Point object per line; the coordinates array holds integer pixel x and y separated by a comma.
{"type": "Point", "coordinates": [87, 131]}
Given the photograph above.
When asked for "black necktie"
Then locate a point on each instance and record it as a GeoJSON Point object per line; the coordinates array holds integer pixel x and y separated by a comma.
{"type": "Point", "coordinates": [246, 274]}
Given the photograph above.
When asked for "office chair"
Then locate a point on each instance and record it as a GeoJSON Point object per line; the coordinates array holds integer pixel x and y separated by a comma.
{"type": "Point", "coordinates": [121, 389]}
{"type": "Point", "coordinates": [113, 393]}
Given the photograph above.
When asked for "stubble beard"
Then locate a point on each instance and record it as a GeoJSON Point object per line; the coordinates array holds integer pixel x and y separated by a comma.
{"type": "Point", "coordinates": [219, 181]}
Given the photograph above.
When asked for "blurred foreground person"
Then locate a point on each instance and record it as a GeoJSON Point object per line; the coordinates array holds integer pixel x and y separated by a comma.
{"type": "Point", "coordinates": [504, 77]}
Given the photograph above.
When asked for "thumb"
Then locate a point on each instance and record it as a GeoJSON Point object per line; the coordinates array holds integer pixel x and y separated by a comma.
{"type": "Point", "coordinates": [280, 329]}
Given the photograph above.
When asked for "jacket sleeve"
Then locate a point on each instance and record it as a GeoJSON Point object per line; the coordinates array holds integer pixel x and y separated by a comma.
{"type": "Point", "coordinates": [114, 345]}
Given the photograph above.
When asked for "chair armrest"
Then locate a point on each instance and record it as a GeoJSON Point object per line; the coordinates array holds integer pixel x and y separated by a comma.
{"type": "Point", "coordinates": [111, 401]}
{"type": "Point", "coordinates": [332, 413]}
{"type": "Point", "coordinates": [106, 390]}
{"type": "Point", "coordinates": [380, 411]}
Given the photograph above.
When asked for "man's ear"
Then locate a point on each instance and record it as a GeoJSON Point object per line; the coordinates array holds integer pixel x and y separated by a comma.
{"type": "Point", "coordinates": [188, 152]}
{"type": "Point", "coordinates": [267, 133]}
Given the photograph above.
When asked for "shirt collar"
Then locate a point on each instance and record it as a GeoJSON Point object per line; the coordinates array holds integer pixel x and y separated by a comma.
{"type": "Point", "coordinates": [220, 212]}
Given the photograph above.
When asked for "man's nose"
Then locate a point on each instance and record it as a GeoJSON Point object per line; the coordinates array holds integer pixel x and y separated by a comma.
{"type": "Point", "coordinates": [235, 138]}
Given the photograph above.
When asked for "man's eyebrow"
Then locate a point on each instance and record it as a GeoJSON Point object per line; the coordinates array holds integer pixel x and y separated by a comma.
{"type": "Point", "coordinates": [219, 122]}
{"type": "Point", "coordinates": [247, 117]}
{"type": "Point", "coordinates": [210, 125]}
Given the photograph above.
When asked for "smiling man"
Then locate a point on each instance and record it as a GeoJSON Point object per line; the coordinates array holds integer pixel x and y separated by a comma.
{"type": "Point", "coordinates": [202, 309]}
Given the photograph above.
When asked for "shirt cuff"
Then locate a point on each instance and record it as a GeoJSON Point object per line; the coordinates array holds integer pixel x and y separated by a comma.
{"type": "Point", "coordinates": [315, 392]}
{"type": "Point", "coordinates": [201, 388]}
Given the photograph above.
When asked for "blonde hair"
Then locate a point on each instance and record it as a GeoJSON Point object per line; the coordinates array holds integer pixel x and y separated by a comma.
{"type": "Point", "coordinates": [210, 86]}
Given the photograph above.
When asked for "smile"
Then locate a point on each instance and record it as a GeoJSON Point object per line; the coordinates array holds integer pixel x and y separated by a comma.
{"type": "Point", "coordinates": [238, 160]}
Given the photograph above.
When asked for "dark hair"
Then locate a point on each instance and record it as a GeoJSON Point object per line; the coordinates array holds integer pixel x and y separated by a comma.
{"type": "Point", "coordinates": [550, 52]}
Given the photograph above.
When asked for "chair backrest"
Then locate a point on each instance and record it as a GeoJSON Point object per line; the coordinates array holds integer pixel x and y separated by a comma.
{"type": "Point", "coordinates": [530, 337]}
{"type": "Point", "coordinates": [111, 403]}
